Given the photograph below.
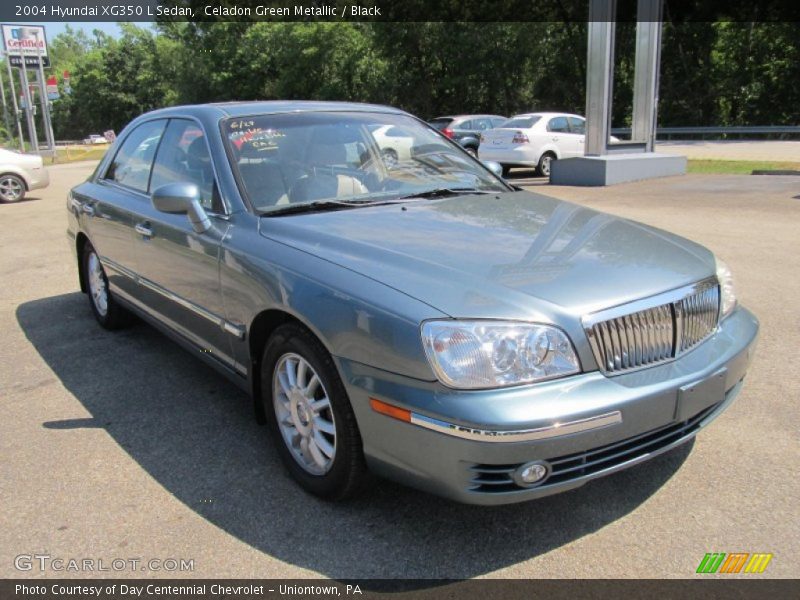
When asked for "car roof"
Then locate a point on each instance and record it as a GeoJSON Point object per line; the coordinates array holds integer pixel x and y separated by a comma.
{"type": "Point", "coordinates": [547, 114]}
{"type": "Point", "coordinates": [469, 117]}
{"type": "Point", "coordinates": [246, 108]}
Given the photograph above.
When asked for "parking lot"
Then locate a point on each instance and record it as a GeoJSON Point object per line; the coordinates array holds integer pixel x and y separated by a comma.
{"type": "Point", "coordinates": [121, 445]}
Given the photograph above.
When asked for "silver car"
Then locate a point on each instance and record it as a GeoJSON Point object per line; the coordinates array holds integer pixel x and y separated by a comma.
{"type": "Point", "coordinates": [19, 174]}
{"type": "Point", "coordinates": [417, 318]}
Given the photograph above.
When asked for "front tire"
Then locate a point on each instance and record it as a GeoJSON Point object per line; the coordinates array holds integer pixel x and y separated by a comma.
{"type": "Point", "coordinates": [106, 310]}
{"type": "Point", "coordinates": [309, 415]}
{"type": "Point", "coordinates": [12, 188]}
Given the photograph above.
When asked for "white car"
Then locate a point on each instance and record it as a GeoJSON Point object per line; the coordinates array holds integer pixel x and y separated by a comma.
{"type": "Point", "coordinates": [95, 139]}
{"type": "Point", "coordinates": [534, 140]}
{"type": "Point", "coordinates": [20, 173]}
{"type": "Point", "coordinates": [395, 144]}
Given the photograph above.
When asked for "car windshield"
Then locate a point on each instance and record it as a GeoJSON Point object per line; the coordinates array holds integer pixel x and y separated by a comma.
{"type": "Point", "coordinates": [520, 123]}
{"type": "Point", "coordinates": [349, 158]}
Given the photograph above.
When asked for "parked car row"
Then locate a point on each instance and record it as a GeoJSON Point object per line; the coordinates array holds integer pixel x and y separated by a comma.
{"type": "Point", "coordinates": [531, 140]}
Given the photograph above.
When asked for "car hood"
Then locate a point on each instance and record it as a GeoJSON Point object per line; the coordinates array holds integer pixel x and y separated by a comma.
{"type": "Point", "coordinates": [514, 255]}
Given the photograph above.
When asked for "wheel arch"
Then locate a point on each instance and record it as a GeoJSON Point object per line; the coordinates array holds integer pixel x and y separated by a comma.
{"type": "Point", "coordinates": [16, 173]}
{"type": "Point", "coordinates": [80, 243]}
{"type": "Point", "coordinates": [261, 328]}
{"type": "Point", "coordinates": [550, 150]}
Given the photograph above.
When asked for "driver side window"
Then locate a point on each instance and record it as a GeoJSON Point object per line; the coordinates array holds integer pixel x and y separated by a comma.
{"type": "Point", "coordinates": [183, 156]}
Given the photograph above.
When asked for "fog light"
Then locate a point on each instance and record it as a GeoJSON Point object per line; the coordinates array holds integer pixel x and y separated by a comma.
{"type": "Point", "coordinates": [531, 473]}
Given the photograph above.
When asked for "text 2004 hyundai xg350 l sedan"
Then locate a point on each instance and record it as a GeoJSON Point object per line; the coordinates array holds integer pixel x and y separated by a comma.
{"type": "Point", "coordinates": [419, 318]}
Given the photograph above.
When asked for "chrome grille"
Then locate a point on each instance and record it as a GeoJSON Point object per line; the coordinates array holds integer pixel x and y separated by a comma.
{"type": "Point", "coordinates": [696, 317]}
{"type": "Point", "coordinates": [655, 330]}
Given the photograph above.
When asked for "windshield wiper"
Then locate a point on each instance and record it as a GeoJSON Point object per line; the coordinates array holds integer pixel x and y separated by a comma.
{"type": "Point", "coordinates": [442, 192]}
{"type": "Point", "coordinates": [319, 206]}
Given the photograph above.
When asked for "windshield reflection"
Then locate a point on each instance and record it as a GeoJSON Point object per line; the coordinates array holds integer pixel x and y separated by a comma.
{"type": "Point", "coordinates": [309, 158]}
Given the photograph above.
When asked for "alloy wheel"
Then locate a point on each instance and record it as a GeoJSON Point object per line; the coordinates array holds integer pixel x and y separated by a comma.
{"type": "Point", "coordinates": [98, 288]}
{"type": "Point", "coordinates": [304, 414]}
{"type": "Point", "coordinates": [11, 189]}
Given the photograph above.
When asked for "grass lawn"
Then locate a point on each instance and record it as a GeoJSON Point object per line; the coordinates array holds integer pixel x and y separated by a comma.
{"type": "Point", "coordinates": [738, 167]}
{"type": "Point", "coordinates": [76, 153]}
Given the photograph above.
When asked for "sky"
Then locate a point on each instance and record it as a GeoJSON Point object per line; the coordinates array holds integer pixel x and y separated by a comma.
{"type": "Point", "coordinates": [53, 29]}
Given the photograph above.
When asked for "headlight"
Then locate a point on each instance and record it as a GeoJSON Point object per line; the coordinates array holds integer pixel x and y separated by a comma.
{"type": "Point", "coordinates": [489, 354]}
{"type": "Point", "coordinates": [726, 290]}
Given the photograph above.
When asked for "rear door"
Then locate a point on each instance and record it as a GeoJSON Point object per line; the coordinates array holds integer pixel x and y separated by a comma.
{"type": "Point", "coordinates": [560, 135]}
{"type": "Point", "coordinates": [107, 206]}
{"type": "Point", "coordinates": [577, 126]}
{"type": "Point", "coordinates": [178, 267]}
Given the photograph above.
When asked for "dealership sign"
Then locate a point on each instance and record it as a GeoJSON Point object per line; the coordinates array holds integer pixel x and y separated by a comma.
{"type": "Point", "coordinates": [25, 43]}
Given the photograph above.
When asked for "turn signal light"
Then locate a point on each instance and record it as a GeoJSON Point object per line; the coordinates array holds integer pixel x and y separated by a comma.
{"type": "Point", "coordinates": [390, 411]}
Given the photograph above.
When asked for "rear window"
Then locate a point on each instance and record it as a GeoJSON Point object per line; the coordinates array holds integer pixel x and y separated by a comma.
{"type": "Point", "coordinates": [439, 124]}
{"type": "Point", "coordinates": [520, 123]}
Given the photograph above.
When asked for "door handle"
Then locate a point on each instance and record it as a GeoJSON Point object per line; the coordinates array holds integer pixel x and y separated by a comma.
{"type": "Point", "coordinates": [87, 209]}
{"type": "Point", "coordinates": [144, 230]}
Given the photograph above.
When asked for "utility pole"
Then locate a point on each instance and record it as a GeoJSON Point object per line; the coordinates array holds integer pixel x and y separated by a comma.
{"type": "Point", "coordinates": [26, 94]}
{"type": "Point", "coordinates": [5, 109]}
{"type": "Point", "coordinates": [14, 104]}
{"type": "Point", "coordinates": [46, 120]}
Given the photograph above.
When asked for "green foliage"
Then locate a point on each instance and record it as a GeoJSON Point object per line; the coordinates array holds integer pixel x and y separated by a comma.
{"type": "Point", "coordinates": [712, 73]}
{"type": "Point", "coordinates": [113, 80]}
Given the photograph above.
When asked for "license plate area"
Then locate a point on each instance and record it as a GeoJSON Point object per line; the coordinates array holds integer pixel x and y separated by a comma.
{"type": "Point", "coordinates": [694, 397]}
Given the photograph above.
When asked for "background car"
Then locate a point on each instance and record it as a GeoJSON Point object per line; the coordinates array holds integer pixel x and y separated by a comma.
{"type": "Point", "coordinates": [467, 129]}
{"type": "Point", "coordinates": [95, 139]}
{"type": "Point", "coordinates": [534, 140]}
{"type": "Point", "coordinates": [20, 173]}
{"type": "Point", "coordinates": [395, 144]}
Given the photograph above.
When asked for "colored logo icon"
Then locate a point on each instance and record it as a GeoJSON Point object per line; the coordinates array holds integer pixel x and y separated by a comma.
{"type": "Point", "coordinates": [737, 562]}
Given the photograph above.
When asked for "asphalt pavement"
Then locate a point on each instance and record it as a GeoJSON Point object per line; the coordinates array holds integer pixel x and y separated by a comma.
{"type": "Point", "coordinates": [123, 446]}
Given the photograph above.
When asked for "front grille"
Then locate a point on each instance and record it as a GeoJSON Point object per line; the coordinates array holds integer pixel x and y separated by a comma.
{"type": "Point", "coordinates": [624, 340]}
{"type": "Point", "coordinates": [492, 479]}
{"type": "Point", "coordinates": [696, 317]}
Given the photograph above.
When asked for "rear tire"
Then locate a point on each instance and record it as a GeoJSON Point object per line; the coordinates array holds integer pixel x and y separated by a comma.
{"type": "Point", "coordinates": [105, 308]}
{"type": "Point", "coordinates": [473, 152]}
{"type": "Point", "coordinates": [309, 415]}
{"type": "Point", "coordinates": [12, 188]}
{"type": "Point", "coordinates": [545, 161]}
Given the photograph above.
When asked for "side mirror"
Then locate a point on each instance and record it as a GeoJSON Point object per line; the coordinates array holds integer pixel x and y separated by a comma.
{"type": "Point", "coordinates": [182, 199]}
{"type": "Point", "coordinates": [494, 167]}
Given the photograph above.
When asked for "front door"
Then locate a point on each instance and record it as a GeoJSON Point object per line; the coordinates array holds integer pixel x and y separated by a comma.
{"type": "Point", "coordinates": [178, 267]}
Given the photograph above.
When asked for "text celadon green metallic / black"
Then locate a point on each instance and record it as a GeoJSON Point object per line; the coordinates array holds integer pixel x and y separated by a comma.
{"type": "Point", "coordinates": [393, 306]}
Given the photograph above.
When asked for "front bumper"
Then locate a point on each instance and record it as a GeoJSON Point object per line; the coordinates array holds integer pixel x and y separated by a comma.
{"type": "Point", "coordinates": [659, 408]}
{"type": "Point", "coordinates": [38, 178]}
